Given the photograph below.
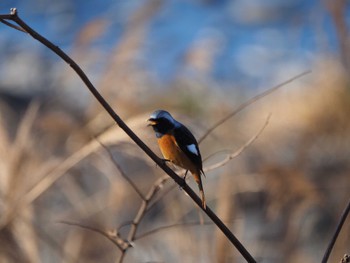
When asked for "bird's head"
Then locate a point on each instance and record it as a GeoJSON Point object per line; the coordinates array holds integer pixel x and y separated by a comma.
{"type": "Point", "coordinates": [162, 122]}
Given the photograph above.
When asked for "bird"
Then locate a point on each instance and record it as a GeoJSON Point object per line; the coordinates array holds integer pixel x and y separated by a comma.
{"type": "Point", "coordinates": [178, 146]}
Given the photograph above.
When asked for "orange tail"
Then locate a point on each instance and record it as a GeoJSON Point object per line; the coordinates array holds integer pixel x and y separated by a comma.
{"type": "Point", "coordinates": [198, 179]}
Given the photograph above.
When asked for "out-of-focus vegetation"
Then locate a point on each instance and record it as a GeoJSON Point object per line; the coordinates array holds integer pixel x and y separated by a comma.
{"type": "Point", "coordinates": [282, 196]}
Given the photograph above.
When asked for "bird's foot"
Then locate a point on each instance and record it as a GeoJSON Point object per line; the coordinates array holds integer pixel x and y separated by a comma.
{"type": "Point", "coordinates": [184, 181]}
{"type": "Point", "coordinates": [185, 175]}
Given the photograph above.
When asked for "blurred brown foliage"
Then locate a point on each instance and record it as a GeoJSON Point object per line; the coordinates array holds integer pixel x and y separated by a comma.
{"type": "Point", "coordinates": [282, 196]}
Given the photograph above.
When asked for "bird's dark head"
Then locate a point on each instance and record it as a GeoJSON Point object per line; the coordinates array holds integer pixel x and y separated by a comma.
{"type": "Point", "coordinates": [162, 122]}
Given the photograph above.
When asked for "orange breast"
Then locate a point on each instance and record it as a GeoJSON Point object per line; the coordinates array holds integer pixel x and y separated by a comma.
{"type": "Point", "coordinates": [171, 151]}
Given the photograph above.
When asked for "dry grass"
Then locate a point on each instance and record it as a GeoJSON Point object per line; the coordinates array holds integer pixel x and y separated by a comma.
{"type": "Point", "coordinates": [282, 196]}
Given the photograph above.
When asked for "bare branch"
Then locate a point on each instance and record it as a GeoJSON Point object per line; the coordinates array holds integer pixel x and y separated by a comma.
{"type": "Point", "coordinates": [240, 150]}
{"type": "Point", "coordinates": [120, 243]}
{"type": "Point", "coordinates": [161, 196]}
{"type": "Point", "coordinates": [227, 151]}
{"type": "Point", "coordinates": [336, 233]}
{"type": "Point", "coordinates": [143, 208]}
{"type": "Point", "coordinates": [158, 229]}
{"type": "Point", "coordinates": [2, 20]}
{"type": "Point", "coordinates": [120, 169]}
{"type": "Point", "coordinates": [125, 224]}
{"type": "Point", "coordinates": [249, 102]}
{"type": "Point", "coordinates": [225, 230]}
{"type": "Point", "coordinates": [141, 212]}
{"type": "Point", "coordinates": [229, 157]}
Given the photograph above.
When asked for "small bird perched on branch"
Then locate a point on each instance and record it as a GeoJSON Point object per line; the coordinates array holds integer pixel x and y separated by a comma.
{"type": "Point", "coordinates": [178, 145]}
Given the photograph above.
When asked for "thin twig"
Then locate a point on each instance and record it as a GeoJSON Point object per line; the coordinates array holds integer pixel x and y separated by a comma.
{"type": "Point", "coordinates": [141, 213]}
{"type": "Point", "coordinates": [228, 158]}
{"type": "Point", "coordinates": [12, 25]}
{"type": "Point", "coordinates": [161, 196]}
{"type": "Point", "coordinates": [147, 203]}
{"type": "Point", "coordinates": [120, 243]}
{"type": "Point", "coordinates": [240, 150]}
{"type": "Point", "coordinates": [336, 233]}
{"type": "Point", "coordinates": [120, 169]}
{"type": "Point", "coordinates": [125, 224]}
{"type": "Point", "coordinates": [249, 102]}
{"type": "Point", "coordinates": [225, 230]}
{"type": "Point", "coordinates": [158, 229]}
{"type": "Point", "coordinates": [216, 153]}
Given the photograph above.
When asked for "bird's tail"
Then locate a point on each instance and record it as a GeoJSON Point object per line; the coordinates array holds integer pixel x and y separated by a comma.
{"type": "Point", "coordinates": [198, 179]}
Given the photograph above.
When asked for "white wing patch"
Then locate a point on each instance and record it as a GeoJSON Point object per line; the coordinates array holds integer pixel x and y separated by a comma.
{"type": "Point", "coordinates": [192, 148]}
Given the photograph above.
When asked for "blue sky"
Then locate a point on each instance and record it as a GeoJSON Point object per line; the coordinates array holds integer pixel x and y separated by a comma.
{"type": "Point", "coordinates": [251, 40]}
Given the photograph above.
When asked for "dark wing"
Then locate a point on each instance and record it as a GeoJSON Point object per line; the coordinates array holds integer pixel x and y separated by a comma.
{"type": "Point", "coordinates": [188, 144]}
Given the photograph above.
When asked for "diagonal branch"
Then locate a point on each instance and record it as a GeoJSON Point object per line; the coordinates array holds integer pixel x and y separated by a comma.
{"type": "Point", "coordinates": [336, 233]}
{"type": "Point", "coordinates": [114, 238]}
{"type": "Point", "coordinates": [147, 205]}
{"type": "Point", "coordinates": [4, 21]}
{"type": "Point", "coordinates": [249, 102]}
{"type": "Point", "coordinates": [241, 149]}
{"type": "Point", "coordinates": [119, 168]}
{"type": "Point", "coordinates": [141, 213]}
{"type": "Point", "coordinates": [228, 158]}
{"type": "Point", "coordinates": [161, 228]}
{"type": "Point", "coordinates": [161, 196]}
{"type": "Point", "coordinates": [225, 230]}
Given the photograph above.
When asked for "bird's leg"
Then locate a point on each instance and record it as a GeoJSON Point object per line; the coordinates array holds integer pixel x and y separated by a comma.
{"type": "Point", "coordinates": [184, 182]}
{"type": "Point", "coordinates": [185, 175]}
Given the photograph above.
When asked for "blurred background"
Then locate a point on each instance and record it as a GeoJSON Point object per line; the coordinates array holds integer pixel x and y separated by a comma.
{"type": "Point", "coordinates": [199, 59]}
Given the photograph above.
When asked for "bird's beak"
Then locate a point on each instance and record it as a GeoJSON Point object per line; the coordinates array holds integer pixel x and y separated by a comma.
{"type": "Point", "coordinates": [151, 122]}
